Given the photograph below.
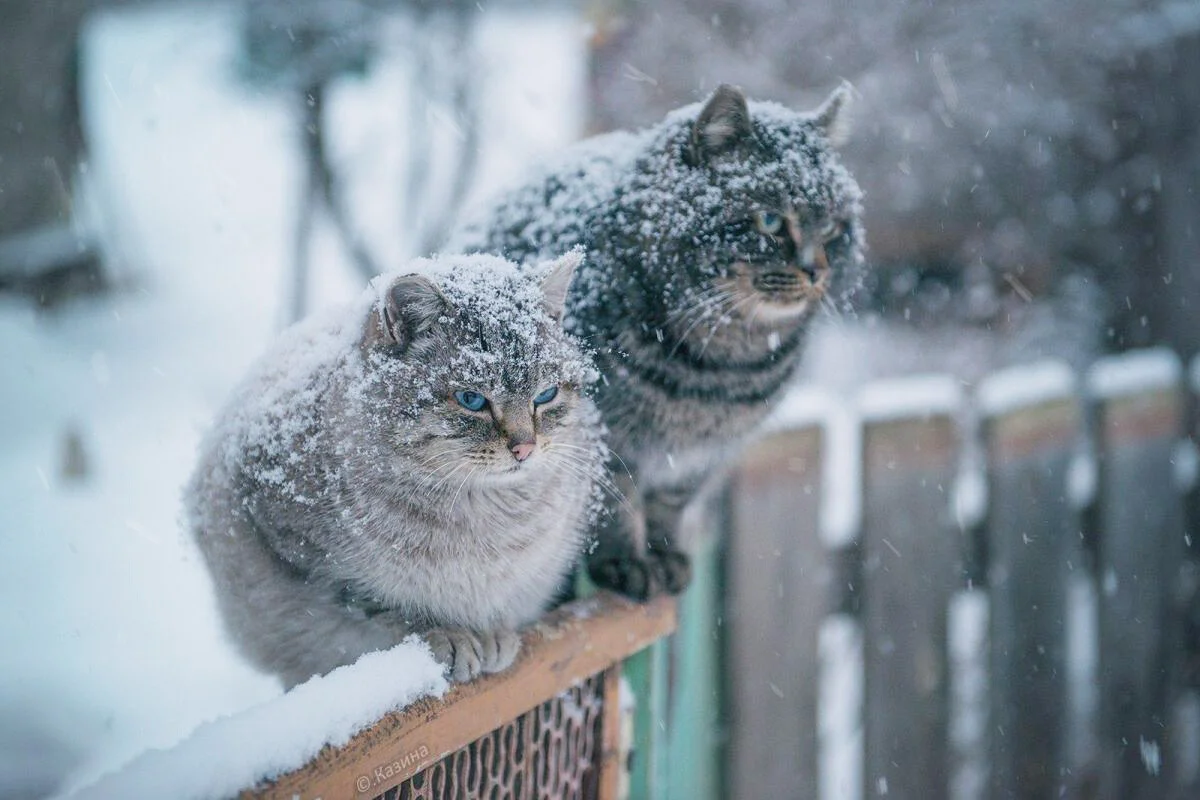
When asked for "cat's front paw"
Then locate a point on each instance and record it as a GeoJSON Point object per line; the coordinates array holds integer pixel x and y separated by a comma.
{"type": "Point", "coordinates": [468, 654]}
{"type": "Point", "coordinates": [659, 572]}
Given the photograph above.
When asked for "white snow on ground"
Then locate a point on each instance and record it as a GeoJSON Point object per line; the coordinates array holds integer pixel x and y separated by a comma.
{"type": "Point", "coordinates": [1137, 371]}
{"type": "Point", "coordinates": [111, 640]}
{"type": "Point", "coordinates": [221, 758]}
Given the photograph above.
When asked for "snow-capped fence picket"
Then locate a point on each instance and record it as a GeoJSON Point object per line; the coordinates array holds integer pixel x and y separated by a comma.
{"type": "Point", "coordinates": [1016, 560]}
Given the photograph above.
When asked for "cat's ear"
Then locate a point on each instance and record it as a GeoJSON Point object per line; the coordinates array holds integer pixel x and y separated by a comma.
{"type": "Point", "coordinates": [558, 281]}
{"type": "Point", "coordinates": [723, 122]}
{"type": "Point", "coordinates": [832, 117]}
{"type": "Point", "coordinates": [410, 306]}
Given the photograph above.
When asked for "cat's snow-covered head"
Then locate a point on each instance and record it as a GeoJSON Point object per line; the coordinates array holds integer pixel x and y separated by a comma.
{"type": "Point", "coordinates": [759, 206]}
{"type": "Point", "coordinates": [467, 366]}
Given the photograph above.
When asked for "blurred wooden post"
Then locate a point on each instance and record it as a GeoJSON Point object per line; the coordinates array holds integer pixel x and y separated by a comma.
{"type": "Point", "coordinates": [695, 743]}
{"type": "Point", "coordinates": [1141, 550]}
{"type": "Point", "coordinates": [912, 565]}
{"type": "Point", "coordinates": [1031, 425]}
{"type": "Point", "coordinates": [778, 575]}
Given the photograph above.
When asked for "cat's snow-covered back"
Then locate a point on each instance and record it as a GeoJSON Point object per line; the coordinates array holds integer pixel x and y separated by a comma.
{"type": "Point", "coordinates": [424, 461]}
{"type": "Point", "coordinates": [712, 239]}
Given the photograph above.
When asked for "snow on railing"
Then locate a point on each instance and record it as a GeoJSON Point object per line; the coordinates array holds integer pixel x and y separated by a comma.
{"type": "Point", "coordinates": [390, 724]}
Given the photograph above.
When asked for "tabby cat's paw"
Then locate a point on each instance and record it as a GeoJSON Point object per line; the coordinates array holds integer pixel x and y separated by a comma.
{"type": "Point", "coordinates": [469, 654]}
{"type": "Point", "coordinates": [659, 572]}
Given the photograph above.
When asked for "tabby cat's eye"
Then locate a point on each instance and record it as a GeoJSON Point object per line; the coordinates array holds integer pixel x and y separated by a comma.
{"type": "Point", "coordinates": [768, 222]}
{"type": "Point", "coordinates": [831, 230]}
{"type": "Point", "coordinates": [471, 401]}
{"type": "Point", "coordinates": [546, 396]}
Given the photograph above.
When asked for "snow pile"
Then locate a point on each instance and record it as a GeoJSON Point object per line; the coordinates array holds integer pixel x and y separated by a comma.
{"type": "Point", "coordinates": [228, 755]}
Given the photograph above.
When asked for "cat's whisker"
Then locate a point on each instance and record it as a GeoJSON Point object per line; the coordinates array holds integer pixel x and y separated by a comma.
{"type": "Point", "coordinates": [582, 470]}
{"type": "Point", "coordinates": [713, 305]}
{"type": "Point", "coordinates": [723, 321]}
{"type": "Point", "coordinates": [471, 474]}
{"type": "Point", "coordinates": [608, 451]}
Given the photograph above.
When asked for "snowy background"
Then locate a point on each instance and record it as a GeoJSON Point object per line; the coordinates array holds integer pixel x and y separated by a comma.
{"type": "Point", "coordinates": [111, 639]}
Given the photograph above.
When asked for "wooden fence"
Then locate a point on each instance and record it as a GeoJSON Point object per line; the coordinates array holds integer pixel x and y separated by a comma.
{"type": "Point", "coordinates": [550, 727]}
{"type": "Point", "coordinates": [925, 591]}
{"type": "Point", "coordinates": [988, 598]}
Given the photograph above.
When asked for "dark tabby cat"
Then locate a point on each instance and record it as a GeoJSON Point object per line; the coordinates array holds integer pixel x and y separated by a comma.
{"type": "Point", "coordinates": [712, 239]}
{"type": "Point", "coordinates": [422, 463]}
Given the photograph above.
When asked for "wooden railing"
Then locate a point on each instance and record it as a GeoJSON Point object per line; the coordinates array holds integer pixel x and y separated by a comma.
{"type": "Point", "coordinates": [547, 727]}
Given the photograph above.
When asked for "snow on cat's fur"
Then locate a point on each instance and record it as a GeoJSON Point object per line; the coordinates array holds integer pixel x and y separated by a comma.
{"type": "Point", "coordinates": [712, 239]}
{"type": "Point", "coordinates": [424, 461]}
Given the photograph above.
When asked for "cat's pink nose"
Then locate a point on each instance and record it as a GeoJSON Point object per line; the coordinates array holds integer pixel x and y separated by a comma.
{"type": "Point", "coordinates": [523, 450]}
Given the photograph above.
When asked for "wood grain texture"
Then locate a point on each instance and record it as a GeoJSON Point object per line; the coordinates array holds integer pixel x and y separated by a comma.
{"type": "Point", "coordinates": [778, 596]}
{"type": "Point", "coordinates": [1141, 551]}
{"type": "Point", "coordinates": [912, 565]}
{"type": "Point", "coordinates": [1034, 547]}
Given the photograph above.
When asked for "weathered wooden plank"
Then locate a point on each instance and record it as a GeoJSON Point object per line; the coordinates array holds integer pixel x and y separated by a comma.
{"type": "Point", "coordinates": [1033, 548]}
{"type": "Point", "coordinates": [1139, 422]}
{"type": "Point", "coordinates": [695, 697]}
{"type": "Point", "coordinates": [778, 575]}
{"type": "Point", "coordinates": [912, 560]}
{"type": "Point", "coordinates": [610, 736]}
{"type": "Point", "coordinates": [571, 643]}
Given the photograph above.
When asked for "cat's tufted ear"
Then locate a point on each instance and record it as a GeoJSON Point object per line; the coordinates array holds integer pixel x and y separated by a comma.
{"type": "Point", "coordinates": [410, 306]}
{"type": "Point", "coordinates": [558, 281]}
{"type": "Point", "coordinates": [832, 117]}
{"type": "Point", "coordinates": [723, 122]}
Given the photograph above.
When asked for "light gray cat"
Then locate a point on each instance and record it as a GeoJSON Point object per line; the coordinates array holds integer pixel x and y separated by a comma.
{"type": "Point", "coordinates": [712, 240]}
{"type": "Point", "coordinates": [423, 462]}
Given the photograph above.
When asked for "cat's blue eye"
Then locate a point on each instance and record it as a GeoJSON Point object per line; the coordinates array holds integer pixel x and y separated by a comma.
{"type": "Point", "coordinates": [471, 401]}
{"type": "Point", "coordinates": [546, 396]}
{"type": "Point", "coordinates": [768, 222]}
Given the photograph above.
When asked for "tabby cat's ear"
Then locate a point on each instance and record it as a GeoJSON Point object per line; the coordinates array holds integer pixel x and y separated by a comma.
{"type": "Point", "coordinates": [832, 117]}
{"type": "Point", "coordinates": [411, 306]}
{"type": "Point", "coordinates": [558, 281]}
{"type": "Point", "coordinates": [723, 122]}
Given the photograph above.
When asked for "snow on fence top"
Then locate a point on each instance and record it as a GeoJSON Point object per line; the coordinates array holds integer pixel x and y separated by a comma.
{"type": "Point", "coordinates": [801, 407]}
{"type": "Point", "coordinates": [841, 460]}
{"type": "Point", "coordinates": [915, 396]}
{"type": "Point", "coordinates": [1024, 386]}
{"type": "Point", "coordinates": [229, 754]}
{"type": "Point", "coordinates": [1130, 373]}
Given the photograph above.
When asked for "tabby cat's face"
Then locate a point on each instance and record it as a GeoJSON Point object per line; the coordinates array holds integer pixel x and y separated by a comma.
{"type": "Point", "coordinates": [781, 259]}
{"type": "Point", "coordinates": [761, 220]}
{"type": "Point", "coordinates": [486, 386]}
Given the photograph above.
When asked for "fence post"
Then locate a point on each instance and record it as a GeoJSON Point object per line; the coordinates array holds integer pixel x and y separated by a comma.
{"type": "Point", "coordinates": [778, 576]}
{"type": "Point", "coordinates": [1031, 422]}
{"type": "Point", "coordinates": [1141, 549]}
{"type": "Point", "coordinates": [912, 562]}
{"type": "Point", "coordinates": [695, 745]}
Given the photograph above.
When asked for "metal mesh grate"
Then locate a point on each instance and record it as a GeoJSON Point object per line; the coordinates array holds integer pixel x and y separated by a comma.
{"type": "Point", "coordinates": [549, 753]}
